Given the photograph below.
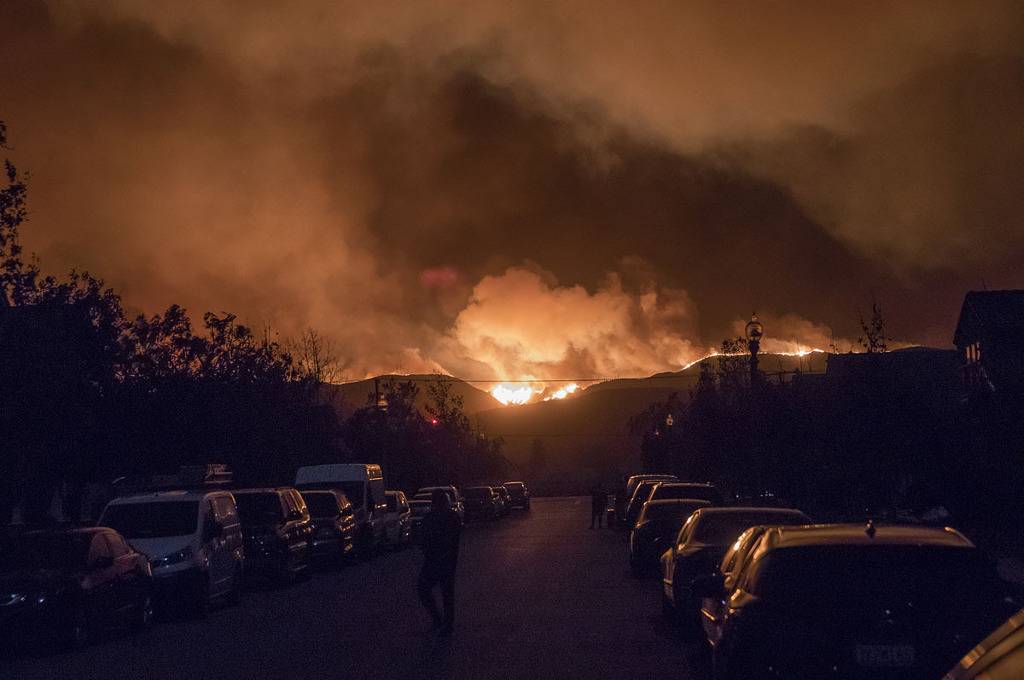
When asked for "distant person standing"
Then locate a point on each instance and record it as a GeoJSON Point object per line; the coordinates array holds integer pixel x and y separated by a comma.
{"type": "Point", "coordinates": [598, 506]}
{"type": "Point", "coordinates": [440, 534]}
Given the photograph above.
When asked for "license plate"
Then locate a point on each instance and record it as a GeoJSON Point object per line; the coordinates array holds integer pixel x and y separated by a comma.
{"type": "Point", "coordinates": [884, 656]}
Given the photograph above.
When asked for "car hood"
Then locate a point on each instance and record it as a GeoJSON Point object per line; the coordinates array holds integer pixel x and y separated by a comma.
{"type": "Point", "coordinates": [32, 581]}
{"type": "Point", "coordinates": [155, 548]}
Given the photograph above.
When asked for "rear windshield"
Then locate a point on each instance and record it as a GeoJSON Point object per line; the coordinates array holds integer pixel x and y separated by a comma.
{"type": "Point", "coordinates": [724, 528]}
{"type": "Point", "coordinates": [152, 520]}
{"type": "Point", "coordinates": [352, 490]}
{"type": "Point", "coordinates": [321, 504]}
{"type": "Point", "coordinates": [669, 512]}
{"type": "Point", "coordinates": [477, 492]}
{"type": "Point", "coordinates": [697, 492]}
{"type": "Point", "coordinates": [259, 508]}
{"type": "Point", "coordinates": [49, 551]}
{"type": "Point", "coordinates": [869, 573]}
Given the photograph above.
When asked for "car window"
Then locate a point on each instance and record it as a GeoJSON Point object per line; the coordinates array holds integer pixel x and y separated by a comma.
{"type": "Point", "coordinates": [152, 520]}
{"type": "Point", "coordinates": [225, 509]}
{"type": "Point", "coordinates": [686, 531]}
{"type": "Point", "coordinates": [98, 548]}
{"type": "Point", "coordinates": [259, 508]}
{"type": "Point", "coordinates": [299, 502]}
{"type": "Point", "coordinates": [116, 544]}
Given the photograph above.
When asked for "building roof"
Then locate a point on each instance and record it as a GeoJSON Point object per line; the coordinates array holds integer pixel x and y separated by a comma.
{"type": "Point", "coordinates": [859, 534]}
{"type": "Point", "coordinates": [989, 311]}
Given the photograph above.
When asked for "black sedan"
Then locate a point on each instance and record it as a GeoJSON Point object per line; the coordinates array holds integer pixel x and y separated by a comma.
{"type": "Point", "coordinates": [64, 585]}
{"type": "Point", "coordinates": [857, 601]}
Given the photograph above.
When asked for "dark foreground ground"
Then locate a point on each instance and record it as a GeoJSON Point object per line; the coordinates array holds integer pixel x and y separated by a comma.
{"type": "Point", "coordinates": [539, 596]}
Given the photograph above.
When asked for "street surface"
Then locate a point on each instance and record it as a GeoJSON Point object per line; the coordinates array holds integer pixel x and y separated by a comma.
{"type": "Point", "coordinates": [538, 595]}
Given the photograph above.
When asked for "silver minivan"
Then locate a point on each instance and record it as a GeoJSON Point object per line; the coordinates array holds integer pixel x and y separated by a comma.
{"type": "Point", "coordinates": [193, 540]}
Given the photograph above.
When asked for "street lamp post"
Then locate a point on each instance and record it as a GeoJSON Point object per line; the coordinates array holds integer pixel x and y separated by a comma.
{"type": "Point", "coordinates": [755, 331]}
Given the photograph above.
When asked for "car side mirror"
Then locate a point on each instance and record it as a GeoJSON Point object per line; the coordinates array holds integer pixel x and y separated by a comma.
{"type": "Point", "coordinates": [212, 529]}
{"type": "Point", "coordinates": [708, 585]}
{"type": "Point", "coordinates": [100, 563]}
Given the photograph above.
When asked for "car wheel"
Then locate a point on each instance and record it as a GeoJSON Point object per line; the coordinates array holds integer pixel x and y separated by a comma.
{"type": "Point", "coordinates": [75, 633]}
{"type": "Point", "coordinates": [666, 606]}
{"type": "Point", "coordinates": [144, 614]}
{"type": "Point", "coordinates": [201, 598]}
{"type": "Point", "coordinates": [235, 594]}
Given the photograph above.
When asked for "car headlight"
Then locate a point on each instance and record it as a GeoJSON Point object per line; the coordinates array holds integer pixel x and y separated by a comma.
{"type": "Point", "coordinates": [183, 555]}
{"type": "Point", "coordinates": [11, 599]}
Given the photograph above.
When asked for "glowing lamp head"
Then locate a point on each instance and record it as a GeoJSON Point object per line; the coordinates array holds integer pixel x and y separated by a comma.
{"type": "Point", "coordinates": [754, 329]}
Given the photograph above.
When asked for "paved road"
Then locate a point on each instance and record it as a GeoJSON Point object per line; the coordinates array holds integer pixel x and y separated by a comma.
{"type": "Point", "coordinates": [539, 596]}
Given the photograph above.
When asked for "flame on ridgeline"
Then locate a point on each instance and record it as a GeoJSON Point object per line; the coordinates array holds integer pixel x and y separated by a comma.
{"type": "Point", "coordinates": [523, 393]}
{"type": "Point", "coordinates": [512, 393]}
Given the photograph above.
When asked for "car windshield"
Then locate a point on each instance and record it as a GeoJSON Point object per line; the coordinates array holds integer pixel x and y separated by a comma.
{"type": "Point", "coordinates": [867, 574]}
{"type": "Point", "coordinates": [698, 492]}
{"type": "Point", "coordinates": [514, 487]}
{"type": "Point", "coordinates": [724, 528]}
{"type": "Point", "coordinates": [46, 551]}
{"type": "Point", "coordinates": [669, 512]}
{"type": "Point", "coordinates": [152, 520]}
{"type": "Point", "coordinates": [477, 492]}
{"type": "Point", "coordinates": [392, 501]}
{"type": "Point", "coordinates": [259, 508]}
{"type": "Point", "coordinates": [419, 507]}
{"type": "Point", "coordinates": [321, 504]}
{"type": "Point", "coordinates": [352, 490]}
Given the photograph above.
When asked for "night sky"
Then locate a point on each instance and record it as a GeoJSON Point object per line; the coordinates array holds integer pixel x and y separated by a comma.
{"type": "Point", "coordinates": [512, 190]}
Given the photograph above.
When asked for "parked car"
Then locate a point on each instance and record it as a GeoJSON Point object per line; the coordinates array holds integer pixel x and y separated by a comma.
{"type": "Point", "coordinates": [713, 609]}
{"type": "Point", "coordinates": [631, 485]}
{"type": "Point", "coordinates": [481, 502]}
{"type": "Point", "coordinates": [505, 499]}
{"type": "Point", "coordinates": [398, 520]}
{"type": "Point", "coordinates": [858, 601]}
{"type": "Point", "coordinates": [419, 508]}
{"type": "Point", "coordinates": [698, 550]}
{"type": "Point", "coordinates": [458, 502]}
{"type": "Point", "coordinates": [278, 531]}
{"type": "Point", "coordinates": [193, 540]}
{"type": "Point", "coordinates": [63, 585]}
{"type": "Point", "coordinates": [641, 493]}
{"type": "Point", "coordinates": [635, 480]}
{"type": "Point", "coordinates": [334, 525]}
{"type": "Point", "coordinates": [519, 494]}
{"type": "Point", "coordinates": [1000, 656]}
{"type": "Point", "coordinates": [363, 485]}
{"type": "Point", "coordinates": [693, 490]}
{"type": "Point", "coordinates": [657, 526]}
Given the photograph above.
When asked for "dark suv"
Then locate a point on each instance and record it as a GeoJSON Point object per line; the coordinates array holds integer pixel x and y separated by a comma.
{"type": "Point", "coordinates": [481, 502]}
{"type": "Point", "coordinates": [277, 530]}
{"type": "Point", "coordinates": [334, 524]}
{"type": "Point", "coordinates": [519, 493]}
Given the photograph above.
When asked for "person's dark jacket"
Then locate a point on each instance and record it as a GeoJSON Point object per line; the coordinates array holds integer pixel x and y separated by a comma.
{"type": "Point", "coordinates": [439, 538]}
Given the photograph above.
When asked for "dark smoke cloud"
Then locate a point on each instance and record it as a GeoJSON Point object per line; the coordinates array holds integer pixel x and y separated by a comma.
{"type": "Point", "coordinates": [426, 184]}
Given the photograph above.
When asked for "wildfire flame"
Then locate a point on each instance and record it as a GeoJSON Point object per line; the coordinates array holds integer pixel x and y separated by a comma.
{"type": "Point", "coordinates": [512, 394]}
{"type": "Point", "coordinates": [563, 392]}
{"type": "Point", "coordinates": [521, 393]}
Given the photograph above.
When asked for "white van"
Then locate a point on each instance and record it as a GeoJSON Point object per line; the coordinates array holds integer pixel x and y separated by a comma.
{"type": "Point", "coordinates": [363, 485]}
{"type": "Point", "coordinates": [193, 540]}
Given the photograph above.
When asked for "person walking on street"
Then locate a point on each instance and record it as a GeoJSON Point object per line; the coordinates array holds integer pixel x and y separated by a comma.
{"type": "Point", "coordinates": [598, 506]}
{"type": "Point", "coordinates": [441, 530]}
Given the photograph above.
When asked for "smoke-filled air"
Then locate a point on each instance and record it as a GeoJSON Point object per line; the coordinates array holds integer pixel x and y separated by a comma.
{"type": "Point", "coordinates": [522, 192]}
